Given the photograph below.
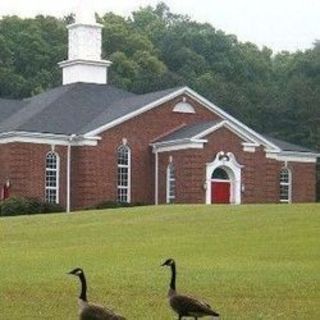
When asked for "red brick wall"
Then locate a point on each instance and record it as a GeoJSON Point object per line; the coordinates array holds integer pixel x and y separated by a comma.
{"type": "Point", "coordinates": [95, 170]}
{"type": "Point", "coordinates": [25, 167]}
{"type": "Point", "coordinates": [260, 175]}
{"type": "Point", "coordinates": [303, 182]}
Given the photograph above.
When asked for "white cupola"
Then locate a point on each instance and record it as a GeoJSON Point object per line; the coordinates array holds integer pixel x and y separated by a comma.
{"type": "Point", "coordinates": [84, 62]}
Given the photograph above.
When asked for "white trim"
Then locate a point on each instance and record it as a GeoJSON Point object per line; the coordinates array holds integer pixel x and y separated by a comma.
{"type": "Point", "coordinates": [234, 170]}
{"type": "Point", "coordinates": [184, 107]}
{"type": "Point", "coordinates": [57, 171]}
{"type": "Point", "coordinates": [68, 177]}
{"type": "Point", "coordinates": [135, 113]}
{"type": "Point", "coordinates": [196, 142]}
{"type": "Point", "coordinates": [227, 116]}
{"type": "Point", "coordinates": [288, 184]}
{"type": "Point", "coordinates": [227, 124]}
{"type": "Point", "coordinates": [204, 102]}
{"type": "Point", "coordinates": [46, 138]}
{"type": "Point", "coordinates": [99, 63]}
{"type": "Point", "coordinates": [249, 147]}
{"type": "Point", "coordinates": [156, 178]}
{"type": "Point", "coordinates": [68, 195]}
{"type": "Point", "coordinates": [302, 157]}
{"type": "Point", "coordinates": [169, 180]}
{"type": "Point", "coordinates": [182, 146]}
{"type": "Point", "coordinates": [83, 24]}
{"type": "Point", "coordinates": [128, 166]}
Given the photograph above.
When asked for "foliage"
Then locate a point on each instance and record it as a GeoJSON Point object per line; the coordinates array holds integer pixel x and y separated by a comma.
{"type": "Point", "coordinates": [250, 262]}
{"type": "Point", "coordinates": [109, 204]}
{"type": "Point", "coordinates": [155, 49]}
{"type": "Point", "coordinates": [25, 206]}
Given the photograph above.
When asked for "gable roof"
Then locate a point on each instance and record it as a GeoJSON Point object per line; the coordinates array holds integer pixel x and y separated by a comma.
{"type": "Point", "coordinates": [287, 146]}
{"type": "Point", "coordinates": [189, 132]}
{"type": "Point", "coordinates": [63, 110]}
{"type": "Point", "coordinates": [196, 131]}
{"type": "Point", "coordinates": [86, 110]}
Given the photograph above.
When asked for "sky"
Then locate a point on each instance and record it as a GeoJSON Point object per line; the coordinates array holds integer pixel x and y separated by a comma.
{"type": "Point", "coordinates": [279, 24]}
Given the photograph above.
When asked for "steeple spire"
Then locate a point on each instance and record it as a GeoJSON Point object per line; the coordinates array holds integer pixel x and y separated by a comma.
{"type": "Point", "coordinates": [84, 62]}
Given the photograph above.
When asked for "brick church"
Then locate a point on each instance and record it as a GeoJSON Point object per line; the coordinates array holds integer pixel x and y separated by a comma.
{"type": "Point", "coordinates": [86, 142]}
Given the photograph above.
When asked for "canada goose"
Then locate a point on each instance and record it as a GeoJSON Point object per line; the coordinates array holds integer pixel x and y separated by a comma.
{"type": "Point", "coordinates": [90, 311]}
{"type": "Point", "coordinates": [185, 306]}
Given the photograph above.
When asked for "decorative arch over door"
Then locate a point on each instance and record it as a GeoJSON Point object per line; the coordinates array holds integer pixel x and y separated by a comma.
{"type": "Point", "coordinates": [223, 180]}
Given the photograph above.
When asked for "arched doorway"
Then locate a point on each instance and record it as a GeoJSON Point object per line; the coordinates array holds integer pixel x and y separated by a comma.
{"type": "Point", "coordinates": [220, 186]}
{"type": "Point", "coordinates": [223, 179]}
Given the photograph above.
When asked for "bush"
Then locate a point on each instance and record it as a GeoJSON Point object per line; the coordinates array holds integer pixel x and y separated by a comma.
{"type": "Point", "coordinates": [24, 206]}
{"type": "Point", "coordinates": [115, 204]}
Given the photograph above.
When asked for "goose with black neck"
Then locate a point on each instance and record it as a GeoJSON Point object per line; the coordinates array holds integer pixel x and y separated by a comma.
{"type": "Point", "coordinates": [183, 305]}
{"type": "Point", "coordinates": [88, 310]}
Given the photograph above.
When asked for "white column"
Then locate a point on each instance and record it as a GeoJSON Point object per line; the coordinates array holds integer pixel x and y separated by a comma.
{"type": "Point", "coordinates": [156, 182]}
{"type": "Point", "coordinates": [68, 195]}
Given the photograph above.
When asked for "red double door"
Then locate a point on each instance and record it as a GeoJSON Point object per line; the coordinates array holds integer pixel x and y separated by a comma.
{"type": "Point", "coordinates": [220, 192]}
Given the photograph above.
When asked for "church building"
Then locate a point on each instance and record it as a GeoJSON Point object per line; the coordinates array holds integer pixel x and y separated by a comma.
{"type": "Point", "coordinates": [86, 142]}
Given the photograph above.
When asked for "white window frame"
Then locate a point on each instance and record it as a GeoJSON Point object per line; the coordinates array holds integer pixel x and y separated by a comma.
{"type": "Point", "coordinates": [286, 184]}
{"type": "Point", "coordinates": [57, 176]}
{"type": "Point", "coordinates": [128, 166]}
{"type": "Point", "coordinates": [171, 198]}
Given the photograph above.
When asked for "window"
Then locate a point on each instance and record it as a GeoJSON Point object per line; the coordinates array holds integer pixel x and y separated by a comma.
{"type": "Point", "coordinates": [285, 185]}
{"type": "Point", "coordinates": [52, 178]}
{"type": "Point", "coordinates": [171, 184]}
{"type": "Point", "coordinates": [184, 107]}
{"type": "Point", "coordinates": [124, 173]}
{"type": "Point", "coordinates": [220, 174]}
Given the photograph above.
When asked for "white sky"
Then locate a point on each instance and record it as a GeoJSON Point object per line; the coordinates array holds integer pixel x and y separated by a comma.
{"type": "Point", "coordinates": [279, 24]}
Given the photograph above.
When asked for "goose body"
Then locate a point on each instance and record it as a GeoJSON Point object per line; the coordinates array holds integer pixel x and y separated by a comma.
{"type": "Point", "coordinates": [183, 305]}
{"type": "Point", "coordinates": [91, 311]}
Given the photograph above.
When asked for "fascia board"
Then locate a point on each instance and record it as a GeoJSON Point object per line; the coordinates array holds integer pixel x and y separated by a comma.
{"type": "Point", "coordinates": [47, 138]}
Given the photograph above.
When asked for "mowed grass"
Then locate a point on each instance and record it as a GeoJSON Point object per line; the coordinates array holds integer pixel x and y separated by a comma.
{"type": "Point", "coordinates": [249, 262]}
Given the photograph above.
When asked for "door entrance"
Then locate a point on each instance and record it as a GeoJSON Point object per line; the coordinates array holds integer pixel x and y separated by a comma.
{"type": "Point", "coordinates": [220, 186]}
{"type": "Point", "coordinates": [220, 192]}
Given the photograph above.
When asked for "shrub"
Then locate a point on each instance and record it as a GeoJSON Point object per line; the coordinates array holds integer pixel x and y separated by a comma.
{"type": "Point", "coordinates": [115, 204]}
{"type": "Point", "coordinates": [24, 206]}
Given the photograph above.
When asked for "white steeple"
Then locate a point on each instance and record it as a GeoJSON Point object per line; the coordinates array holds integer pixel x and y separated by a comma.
{"type": "Point", "coordinates": [84, 62]}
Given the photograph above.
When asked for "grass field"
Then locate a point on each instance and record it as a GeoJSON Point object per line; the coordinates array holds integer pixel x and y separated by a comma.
{"type": "Point", "coordinates": [249, 262]}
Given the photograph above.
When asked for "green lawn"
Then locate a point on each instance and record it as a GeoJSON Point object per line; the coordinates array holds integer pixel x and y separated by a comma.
{"type": "Point", "coordinates": [249, 262]}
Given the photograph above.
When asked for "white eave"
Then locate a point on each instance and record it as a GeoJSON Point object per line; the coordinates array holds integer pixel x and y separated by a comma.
{"type": "Point", "coordinates": [47, 138]}
{"type": "Point", "coordinates": [178, 144]}
{"type": "Point", "coordinates": [293, 156]}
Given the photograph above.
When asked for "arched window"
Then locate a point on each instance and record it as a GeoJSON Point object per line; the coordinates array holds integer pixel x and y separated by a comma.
{"type": "Point", "coordinates": [52, 177]}
{"type": "Point", "coordinates": [220, 174]}
{"type": "Point", "coordinates": [171, 184]}
{"type": "Point", "coordinates": [124, 174]}
{"type": "Point", "coordinates": [285, 185]}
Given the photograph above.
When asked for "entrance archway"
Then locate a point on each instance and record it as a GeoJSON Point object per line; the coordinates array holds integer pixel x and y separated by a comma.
{"type": "Point", "coordinates": [223, 180]}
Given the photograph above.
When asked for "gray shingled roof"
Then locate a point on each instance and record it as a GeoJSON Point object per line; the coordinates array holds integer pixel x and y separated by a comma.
{"type": "Point", "coordinates": [188, 132]}
{"type": "Point", "coordinates": [287, 146]}
{"type": "Point", "coordinates": [9, 107]}
{"type": "Point", "coordinates": [73, 109]}
{"type": "Point", "coordinates": [81, 107]}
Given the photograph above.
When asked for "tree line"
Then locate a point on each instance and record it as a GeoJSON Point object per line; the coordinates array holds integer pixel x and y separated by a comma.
{"type": "Point", "coordinates": [154, 49]}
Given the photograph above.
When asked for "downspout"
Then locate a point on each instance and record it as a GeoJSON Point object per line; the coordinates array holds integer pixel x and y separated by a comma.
{"type": "Point", "coordinates": [156, 174]}
{"type": "Point", "coordinates": [68, 196]}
